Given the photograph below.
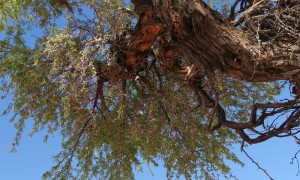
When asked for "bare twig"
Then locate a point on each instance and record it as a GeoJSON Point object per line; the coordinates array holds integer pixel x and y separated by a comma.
{"type": "Point", "coordinates": [295, 158]}
{"type": "Point", "coordinates": [259, 167]}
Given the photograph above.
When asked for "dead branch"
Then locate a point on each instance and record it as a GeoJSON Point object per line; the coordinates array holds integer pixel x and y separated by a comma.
{"type": "Point", "coordinates": [259, 167]}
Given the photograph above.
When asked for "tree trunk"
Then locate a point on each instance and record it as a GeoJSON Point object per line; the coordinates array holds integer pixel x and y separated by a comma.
{"type": "Point", "coordinates": [259, 45]}
{"type": "Point", "coordinates": [201, 36]}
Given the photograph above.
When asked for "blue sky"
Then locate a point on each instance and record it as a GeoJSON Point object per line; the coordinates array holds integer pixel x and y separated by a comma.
{"type": "Point", "coordinates": [34, 157]}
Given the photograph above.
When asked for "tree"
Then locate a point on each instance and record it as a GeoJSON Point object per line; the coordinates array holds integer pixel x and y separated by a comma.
{"type": "Point", "coordinates": [111, 80]}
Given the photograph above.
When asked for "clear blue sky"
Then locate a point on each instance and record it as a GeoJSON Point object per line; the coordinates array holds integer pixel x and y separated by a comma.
{"type": "Point", "coordinates": [33, 156]}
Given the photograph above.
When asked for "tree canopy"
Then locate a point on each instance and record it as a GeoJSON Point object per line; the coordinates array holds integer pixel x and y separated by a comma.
{"type": "Point", "coordinates": [132, 82]}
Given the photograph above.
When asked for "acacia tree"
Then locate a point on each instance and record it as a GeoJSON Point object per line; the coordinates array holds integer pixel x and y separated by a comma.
{"type": "Point", "coordinates": [108, 76]}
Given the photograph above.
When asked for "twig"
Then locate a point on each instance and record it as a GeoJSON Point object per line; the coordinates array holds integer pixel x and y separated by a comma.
{"type": "Point", "coordinates": [295, 157]}
{"type": "Point", "coordinates": [259, 167]}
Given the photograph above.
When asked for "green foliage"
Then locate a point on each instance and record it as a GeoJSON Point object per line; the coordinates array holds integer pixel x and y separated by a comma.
{"type": "Point", "coordinates": [157, 117]}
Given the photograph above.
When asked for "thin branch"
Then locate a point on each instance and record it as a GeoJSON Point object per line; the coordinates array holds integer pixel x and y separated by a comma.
{"type": "Point", "coordinates": [292, 162]}
{"type": "Point", "coordinates": [259, 167]}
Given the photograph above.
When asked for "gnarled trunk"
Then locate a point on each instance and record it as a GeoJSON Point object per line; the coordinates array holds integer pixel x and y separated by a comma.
{"type": "Point", "coordinates": [256, 47]}
{"type": "Point", "coordinates": [201, 36]}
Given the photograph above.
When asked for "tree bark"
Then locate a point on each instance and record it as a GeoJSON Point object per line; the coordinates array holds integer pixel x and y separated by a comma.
{"type": "Point", "coordinates": [260, 45]}
{"type": "Point", "coordinates": [199, 34]}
